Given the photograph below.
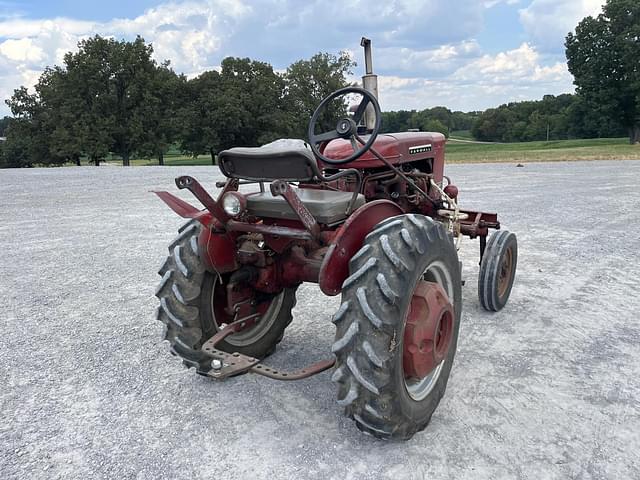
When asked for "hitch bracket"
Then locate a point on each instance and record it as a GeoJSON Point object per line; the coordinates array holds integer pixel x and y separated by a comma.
{"type": "Point", "coordinates": [230, 364]}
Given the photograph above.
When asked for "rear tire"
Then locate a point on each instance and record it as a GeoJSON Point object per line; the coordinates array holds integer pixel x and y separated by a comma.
{"type": "Point", "coordinates": [498, 270]}
{"type": "Point", "coordinates": [186, 296]}
{"type": "Point", "coordinates": [371, 321]}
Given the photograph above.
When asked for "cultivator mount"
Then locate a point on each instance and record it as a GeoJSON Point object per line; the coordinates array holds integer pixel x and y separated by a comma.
{"type": "Point", "coordinates": [363, 215]}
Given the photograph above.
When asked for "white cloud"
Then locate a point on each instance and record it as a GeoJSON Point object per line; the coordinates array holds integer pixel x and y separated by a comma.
{"type": "Point", "coordinates": [186, 33]}
{"type": "Point", "coordinates": [434, 62]}
{"type": "Point", "coordinates": [548, 22]}
{"type": "Point", "coordinates": [424, 50]}
{"type": "Point", "coordinates": [481, 83]}
{"type": "Point", "coordinates": [493, 3]}
{"type": "Point", "coordinates": [521, 64]}
{"type": "Point", "coordinates": [23, 50]}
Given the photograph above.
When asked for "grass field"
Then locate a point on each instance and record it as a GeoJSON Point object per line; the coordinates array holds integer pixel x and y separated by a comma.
{"type": "Point", "coordinates": [465, 151]}
{"type": "Point", "coordinates": [553, 151]}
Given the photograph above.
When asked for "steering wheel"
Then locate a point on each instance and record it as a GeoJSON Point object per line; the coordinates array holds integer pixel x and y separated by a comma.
{"type": "Point", "coordinates": [347, 127]}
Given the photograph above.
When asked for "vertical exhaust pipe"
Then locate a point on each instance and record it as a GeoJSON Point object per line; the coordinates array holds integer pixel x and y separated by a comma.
{"type": "Point", "coordinates": [369, 82]}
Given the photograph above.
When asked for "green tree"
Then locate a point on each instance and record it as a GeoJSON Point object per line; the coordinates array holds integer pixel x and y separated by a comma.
{"type": "Point", "coordinates": [16, 150]}
{"type": "Point", "coordinates": [396, 121]}
{"type": "Point", "coordinates": [435, 125]}
{"type": "Point", "coordinates": [88, 107]}
{"type": "Point", "coordinates": [243, 105]}
{"type": "Point", "coordinates": [199, 115]}
{"type": "Point", "coordinates": [256, 104]}
{"type": "Point", "coordinates": [59, 111]}
{"type": "Point", "coordinates": [463, 120]}
{"type": "Point", "coordinates": [436, 119]}
{"type": "Point", "coordinates": [308, 82]}
{"type": "Point", "coordinates": [109, 82]}
{"type": "Point", "coordinates": [4, 123]}
{"type": "Point", "coordinates": [160, 107]}
{"type": "Point", "coordinates": [494, 125]}
{"type": "Point", "coordinates": [537, 126]}
{"type": "Point", "coordinates": [35, 121]}
{"type": "Point", "coordinates": [603, 56]}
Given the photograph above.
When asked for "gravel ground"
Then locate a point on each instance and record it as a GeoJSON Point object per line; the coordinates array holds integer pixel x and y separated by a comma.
{"type": "Point", "coordinates": [548, 388]}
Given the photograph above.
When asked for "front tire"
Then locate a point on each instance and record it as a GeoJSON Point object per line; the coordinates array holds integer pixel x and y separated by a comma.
{"type": "Point", "coordinates": [497, 270]}
{"type": "Point", "coordinates": [188, 297]}
{"type": "Point", "coordinates": [370, 325]}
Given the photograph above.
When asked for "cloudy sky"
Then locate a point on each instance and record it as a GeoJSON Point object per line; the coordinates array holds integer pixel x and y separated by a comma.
{"type": "Point", "coordinates": [464, 54]}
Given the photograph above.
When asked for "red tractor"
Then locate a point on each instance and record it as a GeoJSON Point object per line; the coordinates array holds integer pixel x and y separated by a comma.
{"type": "Point", "coordinates": [362, 214]}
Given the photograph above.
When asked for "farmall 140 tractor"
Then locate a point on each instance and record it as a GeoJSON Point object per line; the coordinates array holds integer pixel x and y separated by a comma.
{"type": "Point", "coordinates": [364, 215]}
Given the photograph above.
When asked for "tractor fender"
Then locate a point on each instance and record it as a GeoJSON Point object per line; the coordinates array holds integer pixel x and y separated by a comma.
{"type": "Point", "coordinates": [216, 248]}
{"type": "Point", "coordinates": [349, 239]}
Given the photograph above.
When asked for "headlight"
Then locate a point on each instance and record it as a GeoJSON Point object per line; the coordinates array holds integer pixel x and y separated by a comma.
{"type": "Point", "coordinates": [233, 203]}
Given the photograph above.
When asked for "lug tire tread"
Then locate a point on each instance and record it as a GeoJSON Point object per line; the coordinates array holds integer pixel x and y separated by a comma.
{"type": "Point", "coordinates": [180, 294]}
{"type": "Point", "coordinates": [369, 323]}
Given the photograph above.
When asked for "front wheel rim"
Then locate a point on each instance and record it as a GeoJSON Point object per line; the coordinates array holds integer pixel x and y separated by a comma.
{"type": "Point", "coordinates": [505, 272]}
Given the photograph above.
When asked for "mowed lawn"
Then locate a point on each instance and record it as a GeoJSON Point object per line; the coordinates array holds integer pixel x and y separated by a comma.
{"type": "Point", "coordinates": [552, 151]}
{"type": "Point", "coordinates": [465, 150]}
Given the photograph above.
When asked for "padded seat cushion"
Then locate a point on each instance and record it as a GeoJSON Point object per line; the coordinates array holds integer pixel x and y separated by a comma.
{"type": "Point", "coordinates": [327, 206]}
{"type": "Point", "coordinates": [270, 162]}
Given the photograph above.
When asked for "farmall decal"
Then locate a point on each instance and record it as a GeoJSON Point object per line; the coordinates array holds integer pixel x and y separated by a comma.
{"type": "Point", "coordinates": [419, 149]}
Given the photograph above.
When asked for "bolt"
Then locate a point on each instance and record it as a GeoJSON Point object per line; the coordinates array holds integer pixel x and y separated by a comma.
{"type": "Point", "coordinates": [216, 364]}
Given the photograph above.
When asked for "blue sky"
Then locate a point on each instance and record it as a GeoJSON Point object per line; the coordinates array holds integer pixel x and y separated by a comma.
{"type": "Point", "coordinates": [463, 54]}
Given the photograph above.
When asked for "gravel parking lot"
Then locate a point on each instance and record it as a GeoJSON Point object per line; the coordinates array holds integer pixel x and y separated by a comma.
{"type": "Point", "coordinates": [548, 388]}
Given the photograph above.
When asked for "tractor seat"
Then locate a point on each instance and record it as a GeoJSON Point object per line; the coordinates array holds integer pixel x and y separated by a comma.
{"type": "Point", "coordinates": [288, 162]}
{"type": "Point", "coordinates": [327, 206]}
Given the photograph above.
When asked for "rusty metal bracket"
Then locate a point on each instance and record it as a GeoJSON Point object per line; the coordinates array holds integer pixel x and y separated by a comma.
{"type": "Point", "coordinates": [226, 364]}
{"type": "Point", "coordinates": [297, 233]}
{"type": "Point", "coordinates": [201, 194]}
{"type": "Point", "coordinates": [229, 363]}
{"type": "Point", "coordinates": [306, 372]}
{"type": "Point", "coordinates": [280, 187]}
{"type": "Point", "coordinates": [231, 328]}
{"type": "Point", "coordinates": [477, 224]}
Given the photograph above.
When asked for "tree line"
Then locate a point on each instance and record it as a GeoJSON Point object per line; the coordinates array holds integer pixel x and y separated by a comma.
{"type": "Point", "coordinates": [561, 117]}
{"type": "Point", "coordinates": [111, 97]}
{"type": "Point", "coordinates": [437, 119]}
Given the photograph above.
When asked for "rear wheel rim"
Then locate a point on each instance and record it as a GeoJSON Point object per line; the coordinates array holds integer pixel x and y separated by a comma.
{"type": "Point", "coordinates": [419, 389]}
{"type": "Point", "coordinates": [252, 334]}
